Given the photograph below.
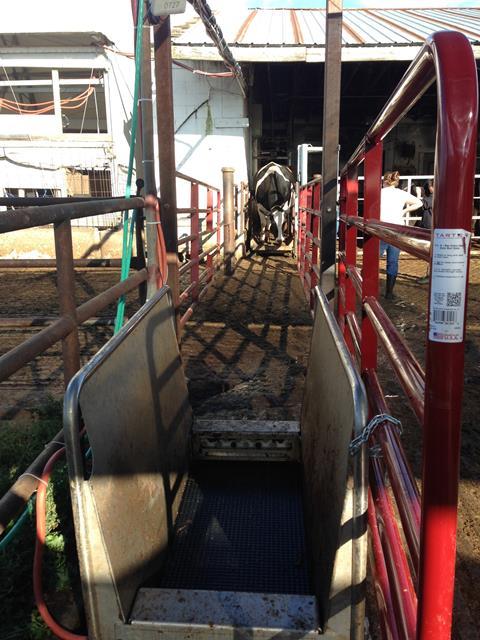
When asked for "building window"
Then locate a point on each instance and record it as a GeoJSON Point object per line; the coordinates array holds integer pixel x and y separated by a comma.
{"type": "Point", "coordinates": [96, 183]}
{"type": "Point", "coordinates": [82, 99]}
{"type": "Point", "coordinates": [75, 96]}
{"type": "Point", "coordinates": [26, 90]}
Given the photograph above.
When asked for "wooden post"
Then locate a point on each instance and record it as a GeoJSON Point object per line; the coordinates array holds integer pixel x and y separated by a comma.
{"type": "Point", "coordinates": [331, 124]}
{"type": "Point", "coordinates": [148, 159]}
{"type": "Point", "coordinates": [166, 150]}
{"type": "Point", "coordinates": [66, 297]}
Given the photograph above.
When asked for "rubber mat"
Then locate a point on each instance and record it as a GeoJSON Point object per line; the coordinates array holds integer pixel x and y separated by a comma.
{"type": "Point", "coordinates": [240, 528]}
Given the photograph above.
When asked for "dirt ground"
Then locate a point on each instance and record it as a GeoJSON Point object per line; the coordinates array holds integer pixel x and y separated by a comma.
{"type": "Point", "coordinates": [30, 293]}
{"type": "Point", "coordinates": [245, 354]}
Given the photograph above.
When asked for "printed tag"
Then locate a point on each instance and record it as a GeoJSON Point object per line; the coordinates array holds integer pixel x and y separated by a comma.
{"type": "Point", "coordinates": [448, 285]}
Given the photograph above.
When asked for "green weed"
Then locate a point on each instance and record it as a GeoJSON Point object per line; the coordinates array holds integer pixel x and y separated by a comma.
{"type": "Point", "coordinates": [20, 443]}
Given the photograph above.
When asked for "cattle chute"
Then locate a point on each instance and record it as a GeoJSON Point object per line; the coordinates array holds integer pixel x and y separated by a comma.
{"type": "Point", "coordinates": [157, 470]}
{"type": "Point", "coordinates": [271, 205]}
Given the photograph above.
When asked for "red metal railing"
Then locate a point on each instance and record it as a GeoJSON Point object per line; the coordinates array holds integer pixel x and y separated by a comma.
{"type": "Point", "coordinates": [308, 237]}
{"type": "Point", "coordinates": [423, 569]}
{"type": "Point", "coordinates": [200, 251]}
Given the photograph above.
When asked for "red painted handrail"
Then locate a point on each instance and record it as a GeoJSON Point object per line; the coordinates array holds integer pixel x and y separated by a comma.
{"type": "Point", "coordinates": [194, 243]}
{"type": "Point", "coordinates": [446, 57]}
{"type": "Point", "coordinates": [308, 237]}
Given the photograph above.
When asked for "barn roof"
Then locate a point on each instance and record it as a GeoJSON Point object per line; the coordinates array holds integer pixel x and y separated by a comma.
{"type": "Point", "coordinates": [299, 34]}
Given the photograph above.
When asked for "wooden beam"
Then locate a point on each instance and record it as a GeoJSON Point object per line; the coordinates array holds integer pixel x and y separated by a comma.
{"type": "Point", "coordinates": [331, 124]}
{"type": "Point", "coordinates": [166, 149]}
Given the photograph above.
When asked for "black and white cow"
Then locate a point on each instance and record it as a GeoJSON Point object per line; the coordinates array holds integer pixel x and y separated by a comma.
{"type": "Point", "coordinates": [272, 200]}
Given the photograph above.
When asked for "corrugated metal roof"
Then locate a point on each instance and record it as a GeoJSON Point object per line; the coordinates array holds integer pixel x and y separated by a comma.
{"type": "Point", "coordinates": [306, 27]}
{"type": "Point", "coordinates": [53, 39]}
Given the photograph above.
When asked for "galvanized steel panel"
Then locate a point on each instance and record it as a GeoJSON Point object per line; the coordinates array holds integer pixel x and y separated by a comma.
{"type": "Point", "coordinates": [312, 24]}
{"type": "Point", "coordinates": [259, 615]}
{"type": "Point", "coordinates": [334, 407]}
{"type": "Point", "coordinates": [373, 30]}
{"type": "Point", "coordinates": [306, 27]}
{"type": "Point", "coordinates": [133, 399]}
{"type": "Point", "coordinates": [405, 22]}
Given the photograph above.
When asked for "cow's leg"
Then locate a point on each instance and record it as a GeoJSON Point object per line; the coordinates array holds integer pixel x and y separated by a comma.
{"type": "Point", "coordinates": [263, 216]}
{"type": "Point", "coordinates": [248, 239]}
{"type": "Point", "coordinates": [279, 221]}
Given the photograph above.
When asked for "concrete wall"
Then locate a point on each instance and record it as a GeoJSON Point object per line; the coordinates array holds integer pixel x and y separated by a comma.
{"type": "Point", "coordinates": [211, 123]}
{"type": "Point", "coordinates": [211, 130]}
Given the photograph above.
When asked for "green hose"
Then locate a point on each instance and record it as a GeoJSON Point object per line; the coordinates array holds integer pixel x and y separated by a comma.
{"type": "Point", "coordinates": [17, 525]}
{"type": "Point", "coordinates": [128, 232]}
{"type": "Point", "coordinates": [129, 221]}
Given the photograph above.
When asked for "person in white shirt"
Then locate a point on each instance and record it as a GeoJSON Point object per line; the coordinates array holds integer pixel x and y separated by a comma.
{"type": "Point", "coordinates": [394, 204]}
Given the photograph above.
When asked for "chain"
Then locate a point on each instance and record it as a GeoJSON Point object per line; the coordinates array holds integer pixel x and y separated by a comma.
{"type": "Point", "coordinates": [375, 422]}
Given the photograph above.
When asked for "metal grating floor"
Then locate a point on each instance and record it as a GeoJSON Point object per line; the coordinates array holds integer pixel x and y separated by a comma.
{"type": "Point", "coordinates": [240, 528]}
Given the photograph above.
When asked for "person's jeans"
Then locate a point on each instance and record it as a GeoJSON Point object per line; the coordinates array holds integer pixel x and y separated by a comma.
{"type": "Point", "coordinates": [392, 257]}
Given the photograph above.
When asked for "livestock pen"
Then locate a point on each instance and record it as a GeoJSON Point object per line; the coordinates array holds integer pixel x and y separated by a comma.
{"type": "Point", "coordinates": [244, 511]}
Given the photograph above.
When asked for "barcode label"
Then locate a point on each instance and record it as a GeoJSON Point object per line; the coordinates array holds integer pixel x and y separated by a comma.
{"type": "Point", "coordinates": [448, 284]}
{"type": "Point", "coordinates": [454, 299]}
{"type": "Point", "coordinates": [445, 316]}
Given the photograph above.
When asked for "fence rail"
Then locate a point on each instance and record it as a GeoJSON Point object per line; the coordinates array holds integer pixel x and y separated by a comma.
{"type": "Point", "coordinates": [203, 246]}
{"type": "Point", "coordinates": [412, 554]}
{"type": "Point", "coordinates": [408, 182]}
{"type": "Point", "coordinates": [435, 399]}
{"type": "Point", "coordinates": [198, 245]}
{"type": "Point", "coordinates": [65, 327]}
{"type": "Point", "coordinates": [28, 217]}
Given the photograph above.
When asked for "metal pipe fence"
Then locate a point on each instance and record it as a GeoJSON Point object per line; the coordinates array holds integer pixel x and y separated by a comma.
{"type": "Point", "coordinates": [410, 182]}
{"type": "Point", "coordinates": [201, 245]}
{"type": "Point", "coordinates": [106, 221]}
{"type": "Point", "coordinates": [308, 236]}
{"type": "Point", "coordinates": [65, 327]}
{"type": "Point", "coordinates": [204, 251]}
{"type": "Point", "coordinates": [412, 536]}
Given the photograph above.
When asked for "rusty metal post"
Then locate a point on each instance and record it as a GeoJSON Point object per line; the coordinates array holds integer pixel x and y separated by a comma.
{"type": "Point", "coordinates": [141, 262]}
{"type": "Point", "coordinates": [331, 124]}
{"type": "Point", "coordinates": [66, 295]}
{"type": "Point", "coordinates": [218, 209]}
{"type": "Point", "coordinates": [38, 216]}
{"type": "Point", "coordinates": [229, 231]}
{"type": "Point", "coordinates": [209, 227]}
{"type": "Point", "coordinates": [196, 241]}
{"type": "Point", "coordinates": [148, 159]}
{"type": "Point", "coordinates": [166, 150]}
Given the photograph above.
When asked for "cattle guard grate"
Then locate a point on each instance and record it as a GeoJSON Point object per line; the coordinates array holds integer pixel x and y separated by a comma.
{"type": "Point", "coordinates": [240, 528]}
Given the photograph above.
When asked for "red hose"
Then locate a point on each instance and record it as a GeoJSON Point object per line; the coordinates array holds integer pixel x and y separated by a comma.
{"type": "Point", "coordinates": [51, 623]}
{"type": "Point", "coordinates": [162, 274]}
{"type": "Point", "coordinates": [161, 256]}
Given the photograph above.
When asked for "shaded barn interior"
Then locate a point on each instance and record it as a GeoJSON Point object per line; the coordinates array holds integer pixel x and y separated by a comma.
{"type": "Point", "coordinates": [286, 109]}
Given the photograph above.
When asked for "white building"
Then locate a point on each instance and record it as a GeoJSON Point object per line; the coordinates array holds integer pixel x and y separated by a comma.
{"type": "Point", "coordinates": [73, 55]}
